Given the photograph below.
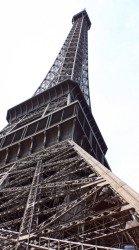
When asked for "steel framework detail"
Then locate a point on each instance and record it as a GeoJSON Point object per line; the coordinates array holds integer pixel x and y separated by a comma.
{"type": "Point", "coordinates": [72, 60]}
{"type": "Point", "coordinates": [56, 187]}
{"type": "Point", "coordinates": [64, 193]}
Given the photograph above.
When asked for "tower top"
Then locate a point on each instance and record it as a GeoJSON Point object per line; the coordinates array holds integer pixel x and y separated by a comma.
{"type": "Point", "coordinates": [79, 15]}
{"type": "Point", "coordinates": [72, 60]}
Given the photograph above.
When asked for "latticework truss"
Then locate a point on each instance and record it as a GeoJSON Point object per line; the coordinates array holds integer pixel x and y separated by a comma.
{"type": "Point", "coordinates": [64, 193]}
{"type": "Point", "coordinates": [72, 60]}
{"type": "Point", "coordinates": [53, 194]}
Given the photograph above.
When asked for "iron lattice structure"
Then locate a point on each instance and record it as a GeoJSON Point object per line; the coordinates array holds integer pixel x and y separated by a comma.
{"type": "Point", "coordinates": [57, 189]}
{"type": "Point", "coordinates": [72, 60]}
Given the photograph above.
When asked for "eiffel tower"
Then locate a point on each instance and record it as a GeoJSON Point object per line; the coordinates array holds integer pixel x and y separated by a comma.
{"type": "Point", "coordinates": [57, 189]}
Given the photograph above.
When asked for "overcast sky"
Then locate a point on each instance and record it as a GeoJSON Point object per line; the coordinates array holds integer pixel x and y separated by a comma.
{"type": "Point", "coordinates": [31, 35]}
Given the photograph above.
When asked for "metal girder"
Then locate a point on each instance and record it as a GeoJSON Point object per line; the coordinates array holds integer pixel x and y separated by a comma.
{"type": "Point", "coordinates": [72, 60]}
{"type": "Point", "coordinates": [60, 197]}
{"type": "Point", "coordinates": [75, 200]}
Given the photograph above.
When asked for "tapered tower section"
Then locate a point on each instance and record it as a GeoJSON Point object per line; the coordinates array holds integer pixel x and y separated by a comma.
{"type": "Point", "coordinates": [57, 190]}
{"type": "Point", "coordinates": [61, 104]}
{"type": "Point", "coordinates": [72, 60]}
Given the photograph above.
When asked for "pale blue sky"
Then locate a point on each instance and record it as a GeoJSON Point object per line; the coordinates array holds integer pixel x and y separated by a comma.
{"type": "Point", "coordinates": [31, 35]}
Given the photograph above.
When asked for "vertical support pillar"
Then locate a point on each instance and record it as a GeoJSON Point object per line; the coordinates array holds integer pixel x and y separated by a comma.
{"type": "Point", "coordinates": [68, 99]}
